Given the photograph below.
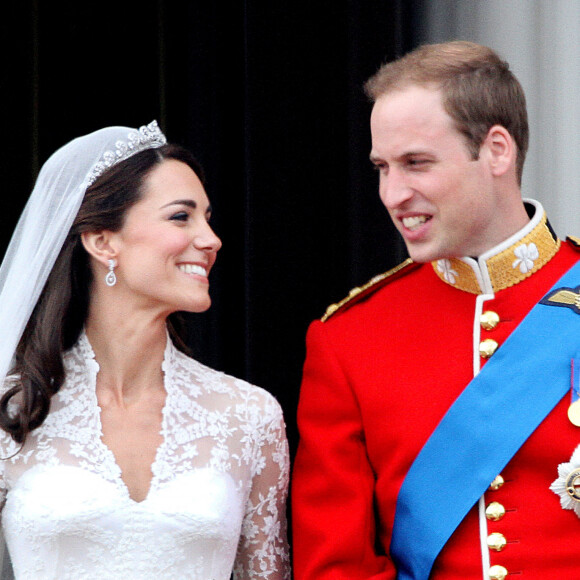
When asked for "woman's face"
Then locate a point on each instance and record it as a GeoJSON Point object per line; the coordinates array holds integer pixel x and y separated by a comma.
{"type": "Point", "coordinates": [166, 246]}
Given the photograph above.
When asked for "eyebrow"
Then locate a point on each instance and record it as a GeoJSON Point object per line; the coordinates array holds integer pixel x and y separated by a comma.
{"type": "Point", "coordinates": [413, 153]}
{"type": "Point", "coordinates": [188, 203]}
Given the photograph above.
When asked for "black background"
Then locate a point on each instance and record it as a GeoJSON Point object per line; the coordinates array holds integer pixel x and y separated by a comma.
{"type": "Point", "coordinates": [268, 95]}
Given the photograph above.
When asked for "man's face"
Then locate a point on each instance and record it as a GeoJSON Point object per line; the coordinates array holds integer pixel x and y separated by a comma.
{"type": "Point", "coordinates": [443, 202]}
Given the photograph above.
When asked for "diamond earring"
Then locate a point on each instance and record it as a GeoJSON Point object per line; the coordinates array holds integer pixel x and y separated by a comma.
{"type": "Point", "coordinates": [110, 278]}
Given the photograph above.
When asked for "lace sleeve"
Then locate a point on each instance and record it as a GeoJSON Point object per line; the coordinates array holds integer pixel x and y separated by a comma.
{"type": "Point", "coordinates": [263, 549]}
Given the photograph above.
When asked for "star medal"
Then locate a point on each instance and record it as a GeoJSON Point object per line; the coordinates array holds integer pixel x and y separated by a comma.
{"type": "Point", "coordinates": [567, 486]}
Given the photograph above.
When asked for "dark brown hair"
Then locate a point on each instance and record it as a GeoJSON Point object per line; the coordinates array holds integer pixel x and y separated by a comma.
{"type": "Point", "coordinates": [61, 311]}
{"type": "Point", "coordinates": [477, 87]}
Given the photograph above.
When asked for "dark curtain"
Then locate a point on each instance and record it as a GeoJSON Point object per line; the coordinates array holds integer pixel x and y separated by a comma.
{"type": "Point", "coordinates": [268, 96]}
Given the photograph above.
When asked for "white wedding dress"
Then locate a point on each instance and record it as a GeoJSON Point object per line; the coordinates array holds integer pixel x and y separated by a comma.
{"type": "Point", "coordinates": [216, 501]}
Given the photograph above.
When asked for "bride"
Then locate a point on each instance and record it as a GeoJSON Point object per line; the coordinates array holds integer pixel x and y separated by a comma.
{"type": "Point", "coordinates": [122, 457]}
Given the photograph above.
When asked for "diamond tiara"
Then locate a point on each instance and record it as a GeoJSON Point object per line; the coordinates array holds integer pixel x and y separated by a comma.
{"type": "Point", "coordinates": [146, 137]}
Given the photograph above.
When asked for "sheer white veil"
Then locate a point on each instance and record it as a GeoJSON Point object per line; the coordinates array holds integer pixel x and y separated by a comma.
{"type": "Point", "coordinates": [48, 217]}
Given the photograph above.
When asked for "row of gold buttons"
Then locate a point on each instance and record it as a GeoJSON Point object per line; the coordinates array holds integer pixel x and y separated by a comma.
{"type": "Point", "coordinates": [488, 320]}
{"type": "Point", "coordinates": [494, 512]}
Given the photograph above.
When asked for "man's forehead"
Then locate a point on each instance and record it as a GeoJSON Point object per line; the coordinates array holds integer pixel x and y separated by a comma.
{"type": "Point", "coordinates": [416, 110]}
{"type": "Point", "coordinates": [409, 94]}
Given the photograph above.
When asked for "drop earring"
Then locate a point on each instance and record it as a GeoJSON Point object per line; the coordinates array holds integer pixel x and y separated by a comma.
{"type": "Point", "coordinates": [110, 278]}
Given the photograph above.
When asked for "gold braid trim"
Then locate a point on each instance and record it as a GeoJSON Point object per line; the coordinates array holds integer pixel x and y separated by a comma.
{"type": "Point", "coordinates": [361, 291]}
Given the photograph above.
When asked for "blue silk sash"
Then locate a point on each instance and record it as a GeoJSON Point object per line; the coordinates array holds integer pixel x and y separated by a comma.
{"type": "Point", "coordinates": [516, 389]}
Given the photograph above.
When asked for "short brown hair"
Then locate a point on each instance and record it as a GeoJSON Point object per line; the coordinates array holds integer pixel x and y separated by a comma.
{"type": "Point", "coordinates": [477, 87]}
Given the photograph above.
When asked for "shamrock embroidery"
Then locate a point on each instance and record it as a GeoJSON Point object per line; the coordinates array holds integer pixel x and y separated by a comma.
{"type": "Point", "coordinates": [526, 255]}
{"type": "Point", "coordinates": [449, 274]}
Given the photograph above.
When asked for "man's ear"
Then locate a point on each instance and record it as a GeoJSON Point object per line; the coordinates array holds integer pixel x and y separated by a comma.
{"type": "Point", "coordinates": [502, 150]}
{"type": "Point", "coordinates": [99, 245]}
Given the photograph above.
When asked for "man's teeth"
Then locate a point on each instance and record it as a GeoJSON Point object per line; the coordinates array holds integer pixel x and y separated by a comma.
{"type": "Point", "coordinates": [192, 269]}
{"type": "Point", "coordinates": [414, 222]}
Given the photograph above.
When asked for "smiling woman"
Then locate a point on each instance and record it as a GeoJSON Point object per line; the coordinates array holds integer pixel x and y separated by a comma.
{"type": "Point", "coordinates": [166, 247]}
{"type": "Point", "coordinates": [123, 456]}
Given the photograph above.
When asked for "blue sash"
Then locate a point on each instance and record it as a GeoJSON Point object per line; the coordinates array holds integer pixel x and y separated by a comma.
{"type": "Point", "coordinates": [516, 389]}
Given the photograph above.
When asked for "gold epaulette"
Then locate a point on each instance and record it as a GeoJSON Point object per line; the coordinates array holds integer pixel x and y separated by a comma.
{"type": "Point", "coordinates": [574, 242]}
{"type": "Point", "coordinates": [375, 283]}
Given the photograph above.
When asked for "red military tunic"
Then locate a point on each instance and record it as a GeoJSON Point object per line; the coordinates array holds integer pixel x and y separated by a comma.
{"type": "Point", "coordinates": [380, 373]}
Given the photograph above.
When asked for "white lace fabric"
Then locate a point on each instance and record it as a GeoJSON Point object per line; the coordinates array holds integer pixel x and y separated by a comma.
{"type": "Point", "coordinates": [216, 502]}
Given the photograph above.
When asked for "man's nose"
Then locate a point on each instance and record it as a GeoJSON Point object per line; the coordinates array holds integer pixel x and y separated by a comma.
{"type": "Point", "coordinates": [394, 189]}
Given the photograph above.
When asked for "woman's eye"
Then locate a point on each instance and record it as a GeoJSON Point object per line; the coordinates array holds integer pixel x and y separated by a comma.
{"type": "Point", "coordinates": [180, 216]}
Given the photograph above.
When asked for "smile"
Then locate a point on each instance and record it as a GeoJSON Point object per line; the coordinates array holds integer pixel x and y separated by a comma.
{"type": "Point", "coordinates": [412, 223]}
{"type": "Point", "coordinates": [193, 269]}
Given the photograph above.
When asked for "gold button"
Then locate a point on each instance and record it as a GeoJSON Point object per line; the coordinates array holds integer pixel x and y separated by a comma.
{"type": "Point", "coordinates": [496, 541]}
{"type": "Point", "coordinates": [494, 511]}
{"type": "Point", "coordinates": [497, 483]}
{"type": "Point", "coordinates": [487, 347]}
{"type": "Point", "coordinates": [497, 573]}
{"type": "Point", "coordinates": [489, 320]}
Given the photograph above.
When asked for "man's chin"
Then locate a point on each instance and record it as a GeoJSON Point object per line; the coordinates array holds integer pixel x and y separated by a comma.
{"type": "Point", "coordinates": [421, 255]}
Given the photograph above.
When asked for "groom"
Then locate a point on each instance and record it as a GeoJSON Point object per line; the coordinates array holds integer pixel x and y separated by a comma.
{"type": "Point", "coordinates": [434, 409]}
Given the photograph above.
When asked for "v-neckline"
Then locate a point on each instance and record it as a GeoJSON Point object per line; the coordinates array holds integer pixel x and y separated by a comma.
{"type": "Point", "coordinates": [108, 453]}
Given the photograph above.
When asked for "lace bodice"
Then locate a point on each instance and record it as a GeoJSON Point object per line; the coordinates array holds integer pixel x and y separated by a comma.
{"type": "Point", "coordinates": [216, 501]}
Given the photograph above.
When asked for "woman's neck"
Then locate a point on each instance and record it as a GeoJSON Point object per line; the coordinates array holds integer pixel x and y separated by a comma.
{"type": "Point", "coordinates": [130, 353]}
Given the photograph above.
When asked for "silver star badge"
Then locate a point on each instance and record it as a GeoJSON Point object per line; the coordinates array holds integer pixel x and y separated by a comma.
{"type": "Point", "coordinates": [567, 486]}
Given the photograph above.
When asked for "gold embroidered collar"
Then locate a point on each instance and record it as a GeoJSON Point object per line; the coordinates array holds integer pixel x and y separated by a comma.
{"type": "Point", "coordinates": [507, 264]}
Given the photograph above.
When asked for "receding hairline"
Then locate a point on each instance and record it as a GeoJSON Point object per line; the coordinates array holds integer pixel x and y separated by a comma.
{"type": "Point", "coordinates": [431, 64]}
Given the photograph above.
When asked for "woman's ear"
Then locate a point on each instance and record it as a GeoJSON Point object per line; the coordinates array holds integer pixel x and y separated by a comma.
{"type": "Point", "coordinates": [99, 245]}
{"type": "Point", "coordinates": [502, 150]}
